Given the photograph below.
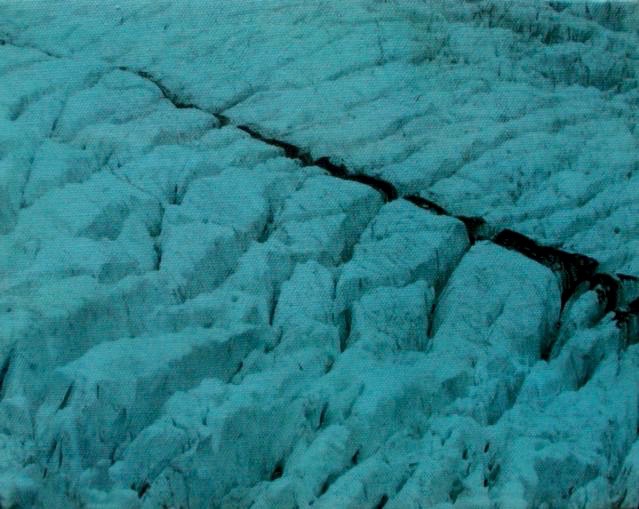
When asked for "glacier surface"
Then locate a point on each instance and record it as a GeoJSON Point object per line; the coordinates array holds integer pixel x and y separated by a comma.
{"type": "Point", "coordinates": [282, 254]}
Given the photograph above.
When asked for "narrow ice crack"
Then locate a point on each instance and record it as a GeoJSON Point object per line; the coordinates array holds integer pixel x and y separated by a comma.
{"type": "Point", "coordinates": [8, 42]}
{"type": "Point", "coordinates": [168, 95]}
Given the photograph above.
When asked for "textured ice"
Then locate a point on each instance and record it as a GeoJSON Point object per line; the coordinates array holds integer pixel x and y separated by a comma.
{"type": "Point", "coordinates": [250, 254]}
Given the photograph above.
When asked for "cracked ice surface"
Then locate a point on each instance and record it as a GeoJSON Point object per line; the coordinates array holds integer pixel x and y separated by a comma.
{"type": "Point", "coordinates": [196, 312]}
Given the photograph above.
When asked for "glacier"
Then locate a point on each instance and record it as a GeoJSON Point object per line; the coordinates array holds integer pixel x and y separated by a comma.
{"type": "Point", "coordinates": [281, 254]}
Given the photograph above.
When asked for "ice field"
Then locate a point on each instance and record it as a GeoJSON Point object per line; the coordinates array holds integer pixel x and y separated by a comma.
{"type": "Point", "coordinates": [354, 254]}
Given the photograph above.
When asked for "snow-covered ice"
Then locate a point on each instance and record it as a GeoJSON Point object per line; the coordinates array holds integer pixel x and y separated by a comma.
{"type": "Point", "coordinates": [266, 254]}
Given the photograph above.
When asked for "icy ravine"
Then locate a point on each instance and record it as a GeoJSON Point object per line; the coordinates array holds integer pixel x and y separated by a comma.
{"type": "Point", "coordinates": [572, 268]}
{"type": "Point", "coordinates": [324, 343]}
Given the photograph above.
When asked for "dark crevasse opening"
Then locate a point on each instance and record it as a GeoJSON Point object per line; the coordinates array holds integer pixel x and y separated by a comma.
{"type": "Point", "coordinates": [607, 288]}
{"type": "Point", "coordinates": [473, 224]}
{"type": "Point", "coordinates": [574, 268]}
{"type": "Point", "coordinates": [291, 151]}
{"type": "Point", "coordinates": [3, 373]}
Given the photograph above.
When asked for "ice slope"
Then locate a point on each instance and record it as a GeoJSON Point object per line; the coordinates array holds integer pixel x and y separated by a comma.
{"type": "Point", "coordinates": [267, 254]}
